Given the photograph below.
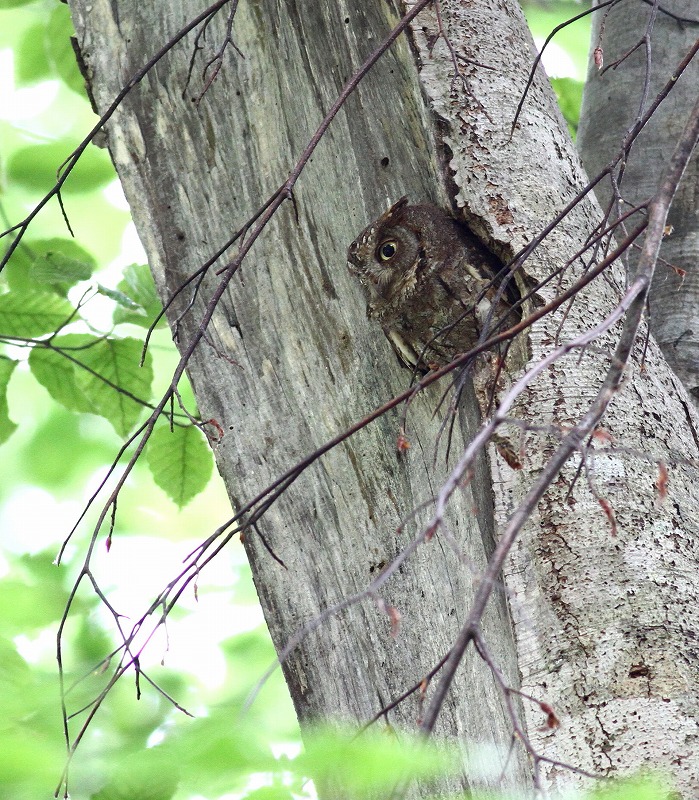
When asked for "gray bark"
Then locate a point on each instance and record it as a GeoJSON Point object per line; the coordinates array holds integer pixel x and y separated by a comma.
{"type": "Point", "coordinates": [611, 103]}
{"type": "Point", "coordinates": [310, 364]}
{"type": "Point", "coordinates": [621, 673]}
{"type": "Point", "coordinates": [603, 622]}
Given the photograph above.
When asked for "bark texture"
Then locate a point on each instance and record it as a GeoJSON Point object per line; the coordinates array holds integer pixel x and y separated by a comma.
{"type": "Point", "coordinates": [604, 623]}
{"type": "Point", "coordinates": [308, 362]}
{"type": "Point", "coordinates": [611, 104]}
{"type": "Point", "coordinates": [604, 617]}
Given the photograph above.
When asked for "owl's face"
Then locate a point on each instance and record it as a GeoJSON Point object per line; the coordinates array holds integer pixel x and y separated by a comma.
{"type": "Point", "coordinates": [387, 257]}
{"type": "Point", "coordinates": [429, 282]}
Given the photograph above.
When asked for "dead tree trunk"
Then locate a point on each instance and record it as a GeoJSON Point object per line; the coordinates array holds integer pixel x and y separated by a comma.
{"type": "Point", "coordinates": [603, 628]}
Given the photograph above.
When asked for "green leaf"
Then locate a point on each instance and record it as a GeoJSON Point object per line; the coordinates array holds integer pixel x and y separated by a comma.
{"type": "Point", "coordinates": [15, 276]}
{"type": "Point", "coordinates": [63, 452]}
{"type": "Point", "coordinates": [60, 50]}
{"type": "Point", "coordinates": [19, 270]}
{"type": "Point", "coordinates": [57, 374]}
{"type": "Point", "coordinates": [29, 758]}
{"type": "Point", "coordinates": [59, 271]}
{"type": "Point", "coordinates": [24, 610]}
{"type": "Point", "coordinates": [34, 167]}
{"type": "Point", "coordinates": [7, 426]}
{"type": "Point", "coordinates": [33, 596]}
{"type": "Point", "coordinates": [14, 671]}
{"type": "Point", "coordinates": [65, 247]}
{"type": "Point", "coordinates": [27, 315]}
{"type": "Point", "coordinates": [180, 461]}
{"type": "Point", "coordinates": [573, 39]}
{"type": "Point", "coordinates": [118, 297]}
{"type": "Point", "coordinates": [139, 287]}
{"type": "Point", "coordinates": [114, 380]}
{"type": "Point", "coordinates": [14, 3]}
{"type": "Point", "coordinates": [31, 63]}
{"type": "Point", "coordinates": [218, 752]}
{"type": "Point", "coordinates": [89, 373]}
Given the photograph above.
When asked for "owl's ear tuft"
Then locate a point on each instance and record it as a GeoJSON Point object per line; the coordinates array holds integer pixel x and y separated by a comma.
{"type": "Point", "coordinates": [397, 206]}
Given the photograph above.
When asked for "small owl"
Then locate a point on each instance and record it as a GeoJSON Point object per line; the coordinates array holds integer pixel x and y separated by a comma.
{"type": "Point", "coordinates": [429, 282]}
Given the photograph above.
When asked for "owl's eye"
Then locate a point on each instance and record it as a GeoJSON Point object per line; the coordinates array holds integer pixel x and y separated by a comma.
{"type": "Point", "coordinates": [387, 250]}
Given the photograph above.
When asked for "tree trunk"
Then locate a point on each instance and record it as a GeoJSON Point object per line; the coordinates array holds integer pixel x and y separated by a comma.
{"type": "Point", "coordinates": [611, 104]}
{"type": "Point", "coordinates": [603, 622]}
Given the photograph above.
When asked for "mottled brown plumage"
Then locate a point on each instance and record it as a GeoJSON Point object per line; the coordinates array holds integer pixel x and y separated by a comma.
{"type": "Point", "coordinates": [429, 282]}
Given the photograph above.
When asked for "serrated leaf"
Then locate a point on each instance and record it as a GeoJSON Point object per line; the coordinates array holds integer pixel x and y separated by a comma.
{"type": "Point", "coordinates": [86, 373]}
{"type": "Point", "coordinates": [139, 287]}
{"type": "Point", "coordinates": [115, 380]}
{"type": "Point", "coordinates": [7, 426]}
{"type": "Point", "coordinates": [27, 315]}
{"type": "Point", "coordinates": [180, 461]}
{"type": "Point", "coordinates": [57, 374]}
{"type": "Point", "coordinates": [34, 167]}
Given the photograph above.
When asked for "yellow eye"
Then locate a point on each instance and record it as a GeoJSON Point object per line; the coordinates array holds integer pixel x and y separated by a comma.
{"type": "Point", "coordinates": [387, 250]}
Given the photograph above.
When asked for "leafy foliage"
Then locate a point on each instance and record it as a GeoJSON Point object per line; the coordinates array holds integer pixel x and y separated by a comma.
{"type": "Point", "coordinates": [24, 316]}
{"type": "Point", "coordinates": [180, 461]}
{"type": "Point", "coordinates": [136, 298]}
{"type": "Point", "coordinates": [13, 3]}
{"type": "Point", "coordinates": [375, 760]}
{"type": "Point", "coordinates": [96, 374]}
{"type": "Point", "coordinates": [53, 366]}
{"type": "Point", "coordinates": [566, 56]}
{"type": "Point", "coordinates": [56, 391]}
{"type": "Point", "coordinates": [646, 787]}
{"type": "Point", "coordinates": [60, 264]}
{"type": "Point", "coordinates": [112, 380]}
{"type": "Point", "coordinates": [143, 775]}
{"type": "Point", "coordinates": [59, 51]}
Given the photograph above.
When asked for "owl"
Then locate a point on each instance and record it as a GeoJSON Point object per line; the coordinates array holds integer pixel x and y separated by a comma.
{"type": "Point", "coordinates": [429, 283]}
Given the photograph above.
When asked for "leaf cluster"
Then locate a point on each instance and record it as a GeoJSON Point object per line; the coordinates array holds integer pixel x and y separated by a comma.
{"type": "Point", "coordinates": [87, 371]}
